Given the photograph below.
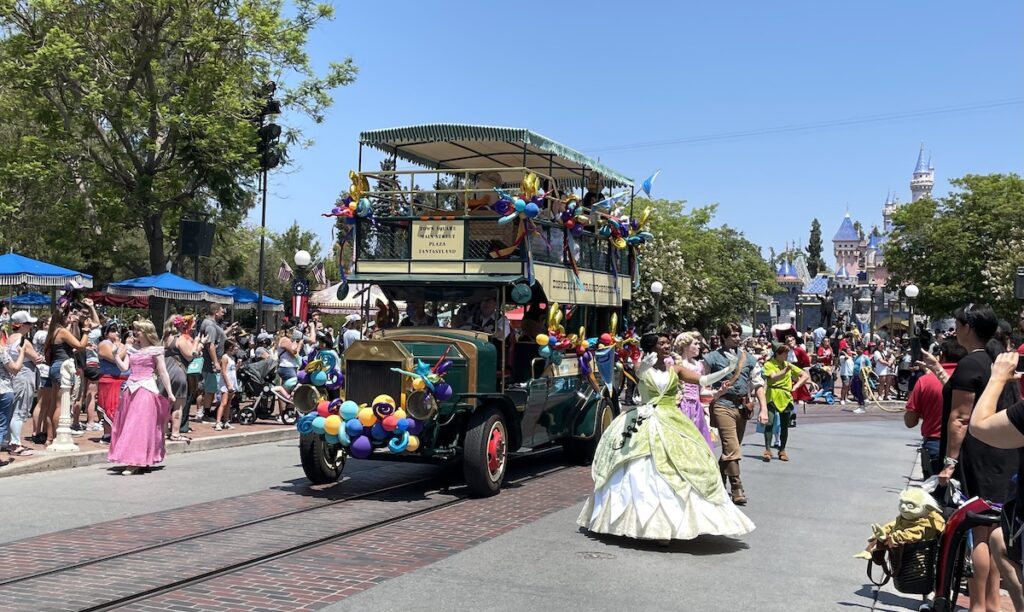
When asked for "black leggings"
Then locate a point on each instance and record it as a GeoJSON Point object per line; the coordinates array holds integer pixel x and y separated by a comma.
{"type": "Point", "coordinates": [773, 415]}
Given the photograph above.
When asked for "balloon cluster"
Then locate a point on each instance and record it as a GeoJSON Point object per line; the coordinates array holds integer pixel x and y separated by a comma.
{"type": "Point", "coordinates": [615, 228]}
{"type": "Point", "coordinates": [353, 206]}
{"type": "Point", "coordinates": [430, 378]}
{"type": "Point", "coordinates": [554, 343]}
{"type": "Point", "coordinates": [361, 428]}
{"type": "Point", "coordinates": [574, 218]}
{"type": "Point", "coordinates": [527, 205]}
{"type": "Point", "coordinates": [321, 369]}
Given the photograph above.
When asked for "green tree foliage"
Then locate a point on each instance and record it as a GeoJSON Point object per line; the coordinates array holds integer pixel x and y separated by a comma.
{"type": "Point", "coordinates": [815, 263]}
{"type": "Point", "coordinates": [706, 271]}
{"type": "Point", "coordinates": [963, 247]}
{"type": "Point", "coordinates": [124, 117]}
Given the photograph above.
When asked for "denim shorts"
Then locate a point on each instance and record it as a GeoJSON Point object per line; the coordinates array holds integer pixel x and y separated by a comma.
{"type": "Point", "coordinates": [54, 379]}
{"type": "Point", "coordinates": [286, 372]}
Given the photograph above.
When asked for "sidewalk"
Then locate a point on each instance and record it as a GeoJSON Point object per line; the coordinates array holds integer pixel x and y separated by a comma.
{"type": "Point", "coordinates": [204, 437]}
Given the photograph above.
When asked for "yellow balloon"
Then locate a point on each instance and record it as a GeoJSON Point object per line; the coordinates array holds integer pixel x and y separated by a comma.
{"type": "Point", "coordinates": [619, 243]}
{"type": "Point", "coordinates": [585, 345]}
{"type": "Point", "coordinates": [399, 414]}
{"type": "Point", "coordinates": [530, 185]}
{"type": "Point", "coordinates": [419, 384]}
{"type": "Point", "coordinates": [366, 417]}
{"type": "Point", "coordinates": [615, 322]}
{"type": "Point", "coordinates": [552, 310]}
{"type": "Point", "coordinates": [332, 424]}
{"type": "Point", "coordinates": [414, 444]}
{"type": "Point", "coordinates": [383, 399]}
{"type": "Point", "coordinates": [542, 339]}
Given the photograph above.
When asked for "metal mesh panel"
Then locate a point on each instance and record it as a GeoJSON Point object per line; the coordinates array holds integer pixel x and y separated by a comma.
{"type": "Point", "coordinates": [486, 235]}
{"type": "Point", "coordinates": [384, 240]}
{"type": "Point", "coordinates": [366, 380]}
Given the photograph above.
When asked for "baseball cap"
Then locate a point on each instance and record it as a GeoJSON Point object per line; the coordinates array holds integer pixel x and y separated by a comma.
{"type": "Point", "coordinates": [21, 317]}
{"type": "Point", "coordinates": [352, 318]}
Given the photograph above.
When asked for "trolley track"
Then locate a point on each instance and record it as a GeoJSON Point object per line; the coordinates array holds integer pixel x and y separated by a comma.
{"type": "Point", "coordinates": [209, 532]}
{"type": "Point", "coordinates": [420, 489]}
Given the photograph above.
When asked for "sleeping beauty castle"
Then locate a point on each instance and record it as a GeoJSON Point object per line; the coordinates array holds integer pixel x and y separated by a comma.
{"type": "Point", "coordinates": [857, 285]}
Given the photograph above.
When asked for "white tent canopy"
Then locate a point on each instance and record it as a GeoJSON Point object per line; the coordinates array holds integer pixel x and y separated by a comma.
{"type": "Point", "coordinates": [327, 302]}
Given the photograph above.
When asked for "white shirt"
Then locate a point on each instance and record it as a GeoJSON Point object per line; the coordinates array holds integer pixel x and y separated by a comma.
{"type": "Point", "coordinates": [880, 368]}
{"type": "Point", "coordinates": [350, 337]}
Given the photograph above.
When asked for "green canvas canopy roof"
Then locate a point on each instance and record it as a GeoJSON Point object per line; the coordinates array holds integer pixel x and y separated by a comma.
{"type": "Point", "coordinates": [452, 146]}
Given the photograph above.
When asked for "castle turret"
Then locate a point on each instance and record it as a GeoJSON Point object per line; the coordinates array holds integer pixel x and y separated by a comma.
{"type": "Point", "coordinates": [924, 178]}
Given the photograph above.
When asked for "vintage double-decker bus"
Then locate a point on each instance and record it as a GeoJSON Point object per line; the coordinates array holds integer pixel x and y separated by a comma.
{"type": "Point", "coordinates": [465, 255]}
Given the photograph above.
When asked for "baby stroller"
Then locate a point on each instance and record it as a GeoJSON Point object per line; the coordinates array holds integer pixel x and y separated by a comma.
{"type": "Point", "coordinates": [822, 378]}
{"type": "Point", "coordinates": [953, 554]}
{"type": "Point", "coordinates": [256, 382]}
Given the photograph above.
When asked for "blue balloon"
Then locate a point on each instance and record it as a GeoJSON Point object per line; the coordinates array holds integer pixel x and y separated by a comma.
{"type": "Point", "coordinates": [556, 357]}
{"type": "Point", "coordinates": [318, 424]}
{"type": "Point", "coordinates": [349, 410]}
{"type": "Point", "coordinates": [377, 432]}
{"type": "Point", "coordinates": [343, 438]}
{"type": "Point", "coordinates": [354, 427]}
{"type": "Point", "coordinates": [332, 439]}
{"type": "Point", "coordinates": [520, 205]}
{"type": "Point", "coordinates": [399, 443]}
{"type": "Point", "coordinates": [305, 424]}
{"type": "Point", "coordinates": [318, 379]}
{"type": "Point", "coordinates": [402, 426]}
{"type": "Point", "coordinates": [531, 210]}
{"type": "Point", "coordinates": [545, 351]}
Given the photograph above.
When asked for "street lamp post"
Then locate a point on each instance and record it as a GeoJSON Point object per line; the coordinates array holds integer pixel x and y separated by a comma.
{"type": "Point", "coordinates": [656, 289]}
{"type": "Point", "coordinates": [911, 291]}
{"type": "Point", "coordinates": [871, 312]}
{"type": "Point", "coordinates": [300, 286]}
{"type": "Point", "coordinates": [754, 284]}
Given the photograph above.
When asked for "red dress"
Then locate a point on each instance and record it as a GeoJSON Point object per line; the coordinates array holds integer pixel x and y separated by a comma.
{"type": "Point", "coordinates": [803, 361]}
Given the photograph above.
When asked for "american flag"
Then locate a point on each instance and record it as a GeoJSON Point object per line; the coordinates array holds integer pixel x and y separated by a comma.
{"type": "Point", "coordinates": [284, 272]}
{"type": "Point", "coordinates": [320, 275]}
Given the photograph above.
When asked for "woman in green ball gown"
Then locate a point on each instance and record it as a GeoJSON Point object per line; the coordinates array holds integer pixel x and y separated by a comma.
{"type": "Point", "coordinates": [654, 476]}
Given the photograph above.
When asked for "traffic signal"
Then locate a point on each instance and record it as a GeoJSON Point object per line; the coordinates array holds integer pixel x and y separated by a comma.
{"type": "Point", "coordinates": [269, 133]}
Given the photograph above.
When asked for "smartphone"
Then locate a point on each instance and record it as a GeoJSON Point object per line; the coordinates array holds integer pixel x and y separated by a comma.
{"type": "Point", "coordinates": [915, 349]}
{"type": "Point", "coordinates": [1020, 364]}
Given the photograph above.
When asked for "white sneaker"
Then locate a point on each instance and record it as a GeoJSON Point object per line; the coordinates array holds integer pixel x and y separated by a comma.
{"type": "Point", "coordinates": [218, 427]}
{"type": "Point", "coordinates": [94, 427]}
{"type": "Point", "coordinates": [859, 410]}
{"type": "Point", "coordinates": [842, 402]}
{"type": "Point", "coordinates": [228, 426]}
{"type": "Point", "coordinates": [200, 415]}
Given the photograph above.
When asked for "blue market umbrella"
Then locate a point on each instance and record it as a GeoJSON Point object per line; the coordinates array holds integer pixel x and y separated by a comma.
{"type": "Point", "coordinates": [30, 300]}
{"type": "Point", "coordinates": [246, 299]}
{"type": "Point", "coordinates": [20, 270]}
{"type": "Point", "coordinates": [169, 286]}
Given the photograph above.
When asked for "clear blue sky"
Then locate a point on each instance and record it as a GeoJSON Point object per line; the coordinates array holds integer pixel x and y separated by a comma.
{"type": "Point", "coordinates": [598, 75]}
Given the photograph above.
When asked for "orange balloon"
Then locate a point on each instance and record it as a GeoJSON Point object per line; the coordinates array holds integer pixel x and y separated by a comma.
{"type": "Point", "coordinates": [414, 444]}
{"type": "Point", "coordinates": [332, 424]}
{"type": "Point", "coordinates": [366, 417]}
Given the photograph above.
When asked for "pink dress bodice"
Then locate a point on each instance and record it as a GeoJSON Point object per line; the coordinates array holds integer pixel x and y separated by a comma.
{"type": "Point", "coordinates": [143, 365]}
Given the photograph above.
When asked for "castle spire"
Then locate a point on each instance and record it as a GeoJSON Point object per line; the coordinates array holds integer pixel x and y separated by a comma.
{"type": "Point", "coordinates": [921, 165]}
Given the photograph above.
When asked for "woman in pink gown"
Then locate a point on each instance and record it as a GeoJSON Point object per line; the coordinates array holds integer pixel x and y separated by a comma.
{"type": "Point", "coordinates": [687, 349]}
{"type": "Point", "coordinates": [137, 435]}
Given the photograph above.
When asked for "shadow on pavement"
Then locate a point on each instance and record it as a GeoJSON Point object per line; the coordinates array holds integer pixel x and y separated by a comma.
{"type": "Point", "coordinates": [701, 546]}
{"type": "Point", "coordinates": [885, 598]}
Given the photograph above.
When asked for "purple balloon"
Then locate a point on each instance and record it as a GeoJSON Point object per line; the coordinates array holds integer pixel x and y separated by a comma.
{"type": "Point", "coordinates": [443, 392]}
{"type": "Point", "coordinates": [441, 369]}
{"type": "Point", "coordinates": [302, 376]}
{"type": "Point", "coordinates": [361, 448]}
{"type": "Point", "coordinates": [415, 426]}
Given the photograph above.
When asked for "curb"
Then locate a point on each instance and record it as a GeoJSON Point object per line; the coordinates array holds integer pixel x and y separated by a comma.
{"type": "Point", "coordinates": [82, 459]}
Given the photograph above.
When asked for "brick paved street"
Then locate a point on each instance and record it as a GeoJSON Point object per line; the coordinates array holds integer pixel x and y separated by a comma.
{"type": "Point", "coordinates": [441, 560]}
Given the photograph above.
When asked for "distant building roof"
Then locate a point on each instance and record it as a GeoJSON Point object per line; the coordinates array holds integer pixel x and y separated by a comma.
{"type": "Point", "coordinates": [842, 272]}
{"type": "Point", "coordinates": [847, 232]}
{"type": "Point", "coordinates": [818, 285]}
{"type": "Point", "coordinates": [873, 242]}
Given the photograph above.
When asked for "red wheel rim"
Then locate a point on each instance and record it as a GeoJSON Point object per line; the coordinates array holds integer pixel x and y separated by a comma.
{"type": "Point", "coordinates": [496, 450]}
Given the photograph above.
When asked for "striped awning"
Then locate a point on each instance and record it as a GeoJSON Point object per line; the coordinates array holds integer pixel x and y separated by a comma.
{"type": "Point", "coordinates": [171, 287]}
{"type": "Point", "coordinates": [453, 146]}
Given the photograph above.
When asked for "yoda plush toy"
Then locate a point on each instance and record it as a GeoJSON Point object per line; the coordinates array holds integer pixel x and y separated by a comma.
{"type": "Point", "coordinates": [919, 520]}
